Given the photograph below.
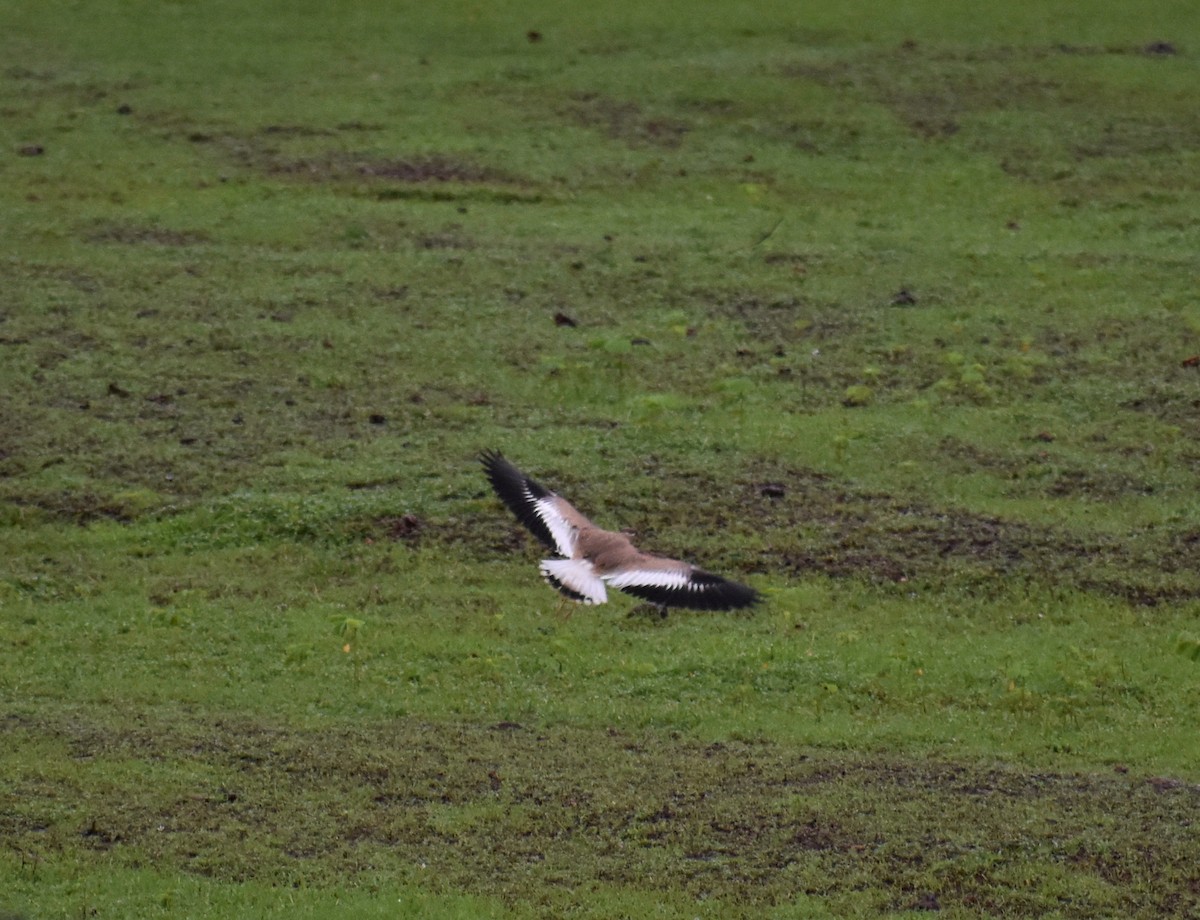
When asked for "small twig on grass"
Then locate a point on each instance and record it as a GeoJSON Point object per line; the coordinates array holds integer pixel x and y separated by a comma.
{"type": "Point", "coordinates": [764, 236]}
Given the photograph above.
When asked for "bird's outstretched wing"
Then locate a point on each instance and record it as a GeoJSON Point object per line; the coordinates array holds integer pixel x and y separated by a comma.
{"type": "Point", "coordinates": [548, 516]}
{"type": "Point", "coordinates": [677, 584]}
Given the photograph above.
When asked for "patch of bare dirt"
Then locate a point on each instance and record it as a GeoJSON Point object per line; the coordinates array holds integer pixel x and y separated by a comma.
{"type": "Point", "coordinates": [143, 235]}
{"type": "Point", "coordinates": [80, 507]}
{"type": "Point", "coordinates": [405, 528]}
{"type": "Point", "coordinates": [626, 121]}
{"type": "Point", "coordinates": [935, 89]}
{"type": "Point", "coordinates": [1175, 404]}
{"type": "Point", "coordinates": [786, 319]}
{"type": "Point", "coordinates": [266, 152]}
{"type": "Point", "coordinates": [481, 535]}
{"type": "Point", "coordinates": [1035, 471]}
{"type": "Point", "coordinates": [815, 523]}
{"type": "Point", "coordinates": [333, 167]}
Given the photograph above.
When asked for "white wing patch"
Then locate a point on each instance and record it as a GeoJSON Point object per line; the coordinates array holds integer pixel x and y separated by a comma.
{"type": "Point", "coordinates": [562, 532]}
{"type": "Point", "coordinates": [576, 579]}
{"type": "Point", "coordinates": [673, 578]}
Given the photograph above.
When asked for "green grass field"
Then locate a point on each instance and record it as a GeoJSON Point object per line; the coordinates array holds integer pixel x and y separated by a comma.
{"type": "Point", "coordinates": [888, 310]}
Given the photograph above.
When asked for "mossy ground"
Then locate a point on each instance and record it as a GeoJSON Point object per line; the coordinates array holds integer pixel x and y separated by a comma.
{"type": "Point", "coordinates": [889, 312]}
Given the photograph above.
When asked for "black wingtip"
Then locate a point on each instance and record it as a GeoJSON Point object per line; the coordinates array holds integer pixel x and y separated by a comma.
{"type": "Point", "coordinates": [516, 490]}
{"type": "Point", "coordinates": [497, 468]}
{"type": "Point", "coordinates": [706, 592]}
{"type": "Point", "coordinates": [729, 595]}
{"type": "Point", "coordinates": [492, 460]}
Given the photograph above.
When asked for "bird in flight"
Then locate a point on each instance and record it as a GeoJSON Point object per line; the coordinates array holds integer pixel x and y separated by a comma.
{"type": "Point", "coordinates": [591, 558]}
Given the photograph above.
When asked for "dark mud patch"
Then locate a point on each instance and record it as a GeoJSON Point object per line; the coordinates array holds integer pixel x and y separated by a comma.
{"type": "Point", "coordinates": [783, 318]}
{"type": "Point", "coordinates": [934, 98]}
{"type": "Point", "coordinates": [145, 235]}
{"type": "Point", "coordinates": [809, 523]}
{"type": "Point", "coordinates": [450, 237]}
{"type": "Point", "coordinates": [339, 167]}
{"type": "Point", "coordinates": [405, 528]}
{"type": "Point", "coordinates": [434, 177]}
{"type": "Point", "coordinates": [267, 152]}
{"type": "Point", "coordinates": [481, 535]}
{"type": "Point", "coordinates": [1096, 486]}
{"type": "Point", "coordinates": [528, 813]}
{"type": "Point", "coordinates": [296, 131]}
{"type": "Point", "coordinates": [936, 90]}
{"type": "Point", "coordinates": [80, 507]}
{"type": "Point", "coordinates": [1160, 49]}
{"type": "Point", "coordinates": [1173, 404]}
{"type": "Point", "coordinates": [1035, 471]}
{"type": "Point", "coordinates": [625, 121]}
{"type": "Point", "coordinates": [786, 320]}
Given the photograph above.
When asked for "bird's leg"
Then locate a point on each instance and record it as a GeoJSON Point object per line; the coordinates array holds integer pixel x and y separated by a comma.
{"type": "Point", "coordinates": [563, 610]}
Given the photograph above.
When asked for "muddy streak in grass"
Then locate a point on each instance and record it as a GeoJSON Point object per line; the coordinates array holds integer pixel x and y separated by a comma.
{"type": "Point", "coordinates": [497, 808]}
{"type": "Point", "coordinates": [262, 152]}
{"type": "Point", "coordinates": [625, 121]}
{"type": "Point", "coordinates": [341, 166]}
{"type": "Point", "coordinates": [820, 524]}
